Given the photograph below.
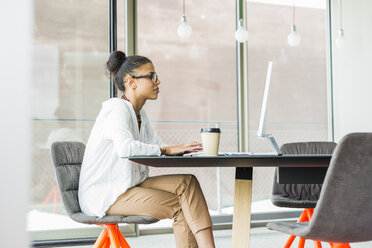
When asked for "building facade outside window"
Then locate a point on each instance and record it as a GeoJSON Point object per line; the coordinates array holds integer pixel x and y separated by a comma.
{"type": "Point", "coordinates": [70, 48]}
{"type": "Point", "coordinates": [198, 83]}
{"type": "Point", "coordinates": [297, 102]}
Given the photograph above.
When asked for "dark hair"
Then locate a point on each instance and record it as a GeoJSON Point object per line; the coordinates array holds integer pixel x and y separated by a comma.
{"type": "Point", "coordinates": [119, 65]}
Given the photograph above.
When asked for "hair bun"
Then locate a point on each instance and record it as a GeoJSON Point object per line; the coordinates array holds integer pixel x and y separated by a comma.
{"type": "Point", "coordinates": [116, 59]}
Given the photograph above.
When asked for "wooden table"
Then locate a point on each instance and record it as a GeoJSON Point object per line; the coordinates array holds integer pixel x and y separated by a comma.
{"type": "Point", "coordinates": [307, 168]}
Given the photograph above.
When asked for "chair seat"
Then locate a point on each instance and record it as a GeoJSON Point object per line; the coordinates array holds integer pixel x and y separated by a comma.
{"type": "Point", "coordinates": [286, 202]}
{"type": "Point", "coordinates": [297, 229]}
{"type": "Point", "coordinates": [113, 219]}
{"type": "Point", "coordinates": [302, 229]}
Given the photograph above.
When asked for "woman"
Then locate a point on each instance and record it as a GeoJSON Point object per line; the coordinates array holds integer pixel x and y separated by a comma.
{"type": "Point", "coordinates": [111, 184]}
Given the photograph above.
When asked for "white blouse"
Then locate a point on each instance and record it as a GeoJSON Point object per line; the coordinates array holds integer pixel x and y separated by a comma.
{"type": "Point", "coordinates": [106, 172]}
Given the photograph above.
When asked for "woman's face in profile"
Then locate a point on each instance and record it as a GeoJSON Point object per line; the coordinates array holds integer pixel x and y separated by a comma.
{"type": "Point", "coordinates": [145, 86]}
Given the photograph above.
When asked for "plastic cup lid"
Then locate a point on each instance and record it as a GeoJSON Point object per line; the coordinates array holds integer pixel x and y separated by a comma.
{"type": "Point", "coordinates": [210, 130]}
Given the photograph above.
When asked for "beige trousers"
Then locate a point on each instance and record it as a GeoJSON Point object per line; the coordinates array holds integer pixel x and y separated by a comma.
{"type": "Point", "coordinates": [177, 197]}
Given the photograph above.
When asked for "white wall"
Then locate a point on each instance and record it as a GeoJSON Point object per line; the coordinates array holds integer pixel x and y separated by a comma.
{"type": "Point", "coordinates": [15, 75]}
{"type": "Point", "coordinates": [352, 67]}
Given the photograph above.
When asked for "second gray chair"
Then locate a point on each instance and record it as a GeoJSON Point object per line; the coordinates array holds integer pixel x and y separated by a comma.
{"type": "Point", "coordinates": [300, 195]}
{"type": "Point", "coordinates": [343, 212]}
{"type": "Point", "coordinates": [67, 158]}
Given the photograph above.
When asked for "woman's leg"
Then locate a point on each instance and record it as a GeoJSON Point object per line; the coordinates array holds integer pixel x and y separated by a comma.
{"type": "Point", "coordinates": [158, 204]}
{"type": "Point", "coordinates": [192, 201]}
{"type": "Point", "coordinates": [204, 238]}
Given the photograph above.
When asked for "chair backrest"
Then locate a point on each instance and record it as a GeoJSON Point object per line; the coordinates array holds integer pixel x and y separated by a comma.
{"type": "Point", "coordinates": [67, 158]}
{"type": "Point", "coordinates": [308, 148]}
{"type": "Point", "coordinates": [308, 193]}
{"type": "Point", "coordinates": [343, 212]}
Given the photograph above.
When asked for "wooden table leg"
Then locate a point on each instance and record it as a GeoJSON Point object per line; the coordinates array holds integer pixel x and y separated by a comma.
{"type": "Point", "coordinates": [242, 208]}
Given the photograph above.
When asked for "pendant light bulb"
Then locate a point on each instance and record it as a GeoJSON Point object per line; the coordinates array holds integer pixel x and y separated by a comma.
{"type": "Point", "coordinates": [184, 29]}
{"type": "Point", "coordinates": [241, 35]}
{"type": "Point", "coordinates": [340, 39]}
{"type": "Point", "coordinates": [294, 39]}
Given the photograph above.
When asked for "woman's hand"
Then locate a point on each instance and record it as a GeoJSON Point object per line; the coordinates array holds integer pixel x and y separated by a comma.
{"type": "Point", "coordinates": [182, 149]}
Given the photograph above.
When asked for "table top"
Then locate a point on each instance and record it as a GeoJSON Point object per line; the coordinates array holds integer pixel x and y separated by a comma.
{"type": "Point", "coordinates": [298, 160]}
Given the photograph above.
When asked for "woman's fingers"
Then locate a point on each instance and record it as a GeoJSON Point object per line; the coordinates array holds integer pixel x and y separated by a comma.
{"type": "Point", "coordinates": [195, 144]}
{"type": "Point", "coordinates": [194, 149]}
{"type": "Point", "coordinates": [186, 148]}
{"type": "Point", "coordinates": [198, 147]}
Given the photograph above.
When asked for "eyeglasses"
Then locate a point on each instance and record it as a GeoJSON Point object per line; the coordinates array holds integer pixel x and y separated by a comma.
{"type": "Point", "coordinates": [152, 75]}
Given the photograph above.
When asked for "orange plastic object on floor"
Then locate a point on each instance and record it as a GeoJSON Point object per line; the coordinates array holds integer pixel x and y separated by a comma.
{"type": "Point", "coordinates": [111, 235]}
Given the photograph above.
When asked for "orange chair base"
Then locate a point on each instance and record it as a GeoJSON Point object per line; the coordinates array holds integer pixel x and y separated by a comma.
{"type": "Point", "coordinates": [56, 199]}
{"type": "Point", "coordinates": [305, 217]}
{"type": "Point", "coordinates": [111, 236]}
{"type": "Point", "coordinates": [339, 245]}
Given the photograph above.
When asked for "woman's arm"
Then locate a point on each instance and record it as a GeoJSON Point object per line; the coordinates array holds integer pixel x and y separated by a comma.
{"type": "Point", "coordinates": [182, 149]}
{"type": "Point", "coordinates": [174, 150]}
{"type": "Point", "coordinates": [117, 128]}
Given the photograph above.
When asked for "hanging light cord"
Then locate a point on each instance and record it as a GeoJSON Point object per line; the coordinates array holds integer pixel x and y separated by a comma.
{"type": "Point", "coordinates": [340, 14]}
{"type": "Point", "coordinates": [240, 10]}
{"type": "Point", "coordinates": [294, 13]}
{"type": "Point", "coordinates": [184, 7]}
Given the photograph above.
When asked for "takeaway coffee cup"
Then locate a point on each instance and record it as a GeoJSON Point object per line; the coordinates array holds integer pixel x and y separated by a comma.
{"type": "Point", "coordinates": [211, 140]}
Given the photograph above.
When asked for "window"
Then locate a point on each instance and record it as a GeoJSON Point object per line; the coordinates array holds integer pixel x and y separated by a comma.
{"type": "Point", "coordinates": [297, 103]}
{"type": "Point", "coordinates": [198, 83]}
{"type": "Point", "coordinates": [198, 86]}
{"type": "Point", "coordinates": [69, 84]}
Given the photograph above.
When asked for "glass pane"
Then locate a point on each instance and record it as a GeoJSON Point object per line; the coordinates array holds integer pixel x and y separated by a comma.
{"type": "Point", "coordinates": [198, 82]}
{"type": "Point", "coordinates": [297, 102]}
{"type": "Point", "coordinates": [69, 84]}
{"type": "Point", "coordinates": [120, 24]}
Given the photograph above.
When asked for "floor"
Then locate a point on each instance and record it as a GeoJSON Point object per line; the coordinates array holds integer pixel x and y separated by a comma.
{"type": "Point", "coordinates": [260, 238]}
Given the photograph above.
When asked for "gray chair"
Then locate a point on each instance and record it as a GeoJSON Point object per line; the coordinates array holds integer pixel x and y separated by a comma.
{"type": "Point", "coordinates": [67, 158]}
{"type": "Point", "coordinates": [342, 214]}
{"type": "Point", "coordinates": [300, 195]}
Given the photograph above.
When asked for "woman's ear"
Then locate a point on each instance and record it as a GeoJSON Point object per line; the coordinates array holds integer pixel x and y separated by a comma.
{"type": "Point", "coordinates": [130, 82]}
